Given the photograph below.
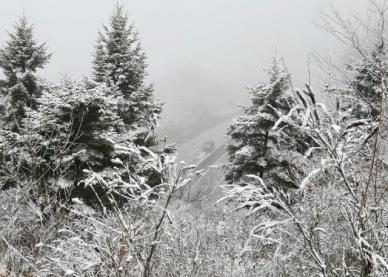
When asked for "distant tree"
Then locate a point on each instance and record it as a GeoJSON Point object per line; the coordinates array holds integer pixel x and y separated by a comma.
{"type": "Point", "coordinates": [119, 61]}
{"type": "Point", "coordinates": [259, 144]}
{"type": "Point", "coordinates": [361, 98]}
{"type": "Point", "coordinates": [99, 60]}
{"type": "Point", "coordinates": [21, 57]}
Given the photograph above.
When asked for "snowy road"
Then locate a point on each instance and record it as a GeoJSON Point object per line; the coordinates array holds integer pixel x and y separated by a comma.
{"type": "Point", "coordinates": [191, 150]}
{"type": "Point", "coordinates": [206, 188]}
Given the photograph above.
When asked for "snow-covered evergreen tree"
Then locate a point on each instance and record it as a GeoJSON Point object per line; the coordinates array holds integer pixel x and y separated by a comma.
{"type": "Point", "coordinates": [20, 58]}
{"type": "Point", "coordinates": [76, 145]}
{"type": "Point", "coordinates": [119, 61]}
{"type": "Point", "coordinates": [87, 139]}
{"type": "Point", "coordinates": [334, 209]}
{"type": "Point", "coordinates": [119, 54]}
{"type": "Point", "coordinates": [261, 144]}
{"type": "Point", "coordinates": [361, 98]}
{"type": "Point", "coordinates": [99, 61]}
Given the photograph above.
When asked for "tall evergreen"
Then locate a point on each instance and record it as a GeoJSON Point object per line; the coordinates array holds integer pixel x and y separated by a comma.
{"type": "Point", "coordinates": [20, 58]}
{"type": "Point", "coordinates": [119, 54]}
{"type": "Point", "coordinates": [119, 61]}
{"type": "Point", "coordinates": [256, 147]}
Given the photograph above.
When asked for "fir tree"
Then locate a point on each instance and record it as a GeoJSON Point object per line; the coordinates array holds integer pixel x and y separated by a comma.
{"type": "Point", "coordinates": [21, 57]}
{"type": "Point", "coordinates": [362, 97]}
{"type": "Point", "coordinates": [258, 146]}
{"type": "Point", "coordinates": [76, 145]}
{"type": "Point", "coordinates": [119, 49]}
{"type": "Point", "coordinates": [119, 61]}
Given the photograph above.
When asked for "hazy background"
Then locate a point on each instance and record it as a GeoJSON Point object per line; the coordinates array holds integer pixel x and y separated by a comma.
{"type": "Point", "coordinates": [201, 53]}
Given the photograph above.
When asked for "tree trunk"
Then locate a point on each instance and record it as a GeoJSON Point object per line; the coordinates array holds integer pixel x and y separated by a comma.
{"type": "Point", "coordinates": [264, 152]}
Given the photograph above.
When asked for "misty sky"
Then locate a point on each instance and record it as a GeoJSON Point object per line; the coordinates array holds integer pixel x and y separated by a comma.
{"type": "Point", "coordinates": [201, 53]}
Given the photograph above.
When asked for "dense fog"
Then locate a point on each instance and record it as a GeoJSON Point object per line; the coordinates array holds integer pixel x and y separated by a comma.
{"type": "Point", "coordinates": [201, 54]}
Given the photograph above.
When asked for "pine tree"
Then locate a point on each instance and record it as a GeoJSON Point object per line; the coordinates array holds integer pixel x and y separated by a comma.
{"type": "Point", "coordinates": [119, 61]}
{"type": "Point", "coordinates": [20, 59]}
{"type": "Point", "coordinates": [258, 146]}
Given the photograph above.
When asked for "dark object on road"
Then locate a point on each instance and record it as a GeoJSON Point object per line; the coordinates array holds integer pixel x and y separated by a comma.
{"type": "Point", "coordinates": [208, 146]}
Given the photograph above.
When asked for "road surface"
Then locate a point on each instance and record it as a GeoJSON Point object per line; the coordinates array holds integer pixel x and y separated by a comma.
{"type": "Point", "coordinates": [205, 190]}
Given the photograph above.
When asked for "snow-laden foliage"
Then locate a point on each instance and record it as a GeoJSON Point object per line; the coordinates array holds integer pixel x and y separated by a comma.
{"type": "Point", "coordinates": [334, 224]}
{"type": "Point", "coordinates": [262, 141]}
{"type": "Point", "coordinates": [360, 98]}
{"type": "Point", "coordinates": [119, 61]}
{"type": "Point", "coordinates": [20, 58]}
{"type": "Point", "coordinates": [76, 144]}
{"type": "Point", "coordinates": [78, 240]}
{"type": "Point", "coordinates": [79, 180]}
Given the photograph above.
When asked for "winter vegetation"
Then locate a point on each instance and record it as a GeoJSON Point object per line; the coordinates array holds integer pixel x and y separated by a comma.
{"type": "Point", "coordinates": [87, 188]}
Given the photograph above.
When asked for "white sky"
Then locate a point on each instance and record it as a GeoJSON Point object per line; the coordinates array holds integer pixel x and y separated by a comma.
{"type": "Point", "coordinates": [200, 52]}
